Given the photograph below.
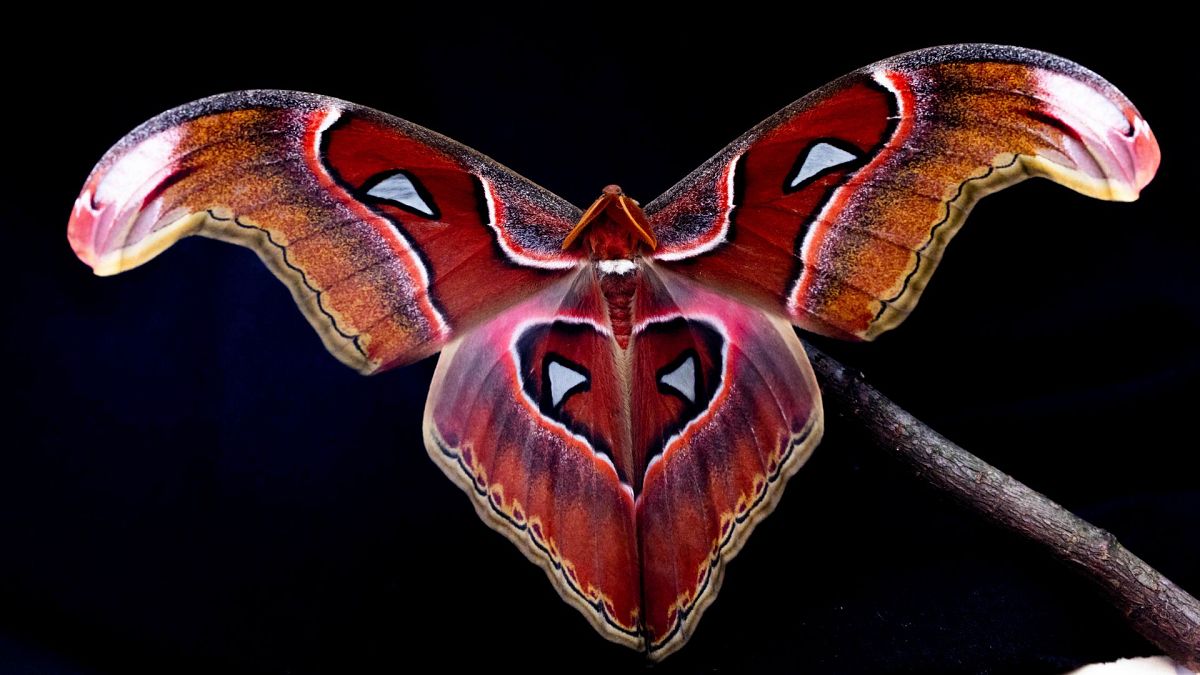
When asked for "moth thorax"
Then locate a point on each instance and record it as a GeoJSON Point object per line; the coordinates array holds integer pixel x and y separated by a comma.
{"type": "Point", "coordinates": [618, 286]}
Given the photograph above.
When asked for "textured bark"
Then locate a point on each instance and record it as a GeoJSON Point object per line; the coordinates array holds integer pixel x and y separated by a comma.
{"type": "Point", "coordinates": [1162, 612]}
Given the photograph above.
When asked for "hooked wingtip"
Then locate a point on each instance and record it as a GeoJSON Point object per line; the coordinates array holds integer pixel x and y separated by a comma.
{"type": "Point", "coordinates": [119, 219]}
{"type": "Point", "coordinates": [1106, 148]}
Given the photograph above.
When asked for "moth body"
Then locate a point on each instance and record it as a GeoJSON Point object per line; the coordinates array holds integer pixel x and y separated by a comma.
{"type": "Point", "coordinates": [614, 233]}
{"type": "Point", "coordinates": [618, 289]}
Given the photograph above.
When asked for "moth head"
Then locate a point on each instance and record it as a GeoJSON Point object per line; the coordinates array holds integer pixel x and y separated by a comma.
{"type": "Point", "coordinates": [612, 228]}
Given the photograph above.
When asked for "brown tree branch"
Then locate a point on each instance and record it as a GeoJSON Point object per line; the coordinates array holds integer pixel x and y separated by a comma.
{"type": "Point", "coordinates": [1162, 612]}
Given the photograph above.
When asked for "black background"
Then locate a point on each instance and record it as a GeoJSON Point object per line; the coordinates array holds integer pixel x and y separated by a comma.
{"type": "Point", "coordinates": [191, 483]}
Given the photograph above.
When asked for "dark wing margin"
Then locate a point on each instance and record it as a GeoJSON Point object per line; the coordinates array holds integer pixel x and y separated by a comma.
{"type": "Point", "coordinates": [384, 231]}
{"type": "Point", "coordinates": [835, 211]}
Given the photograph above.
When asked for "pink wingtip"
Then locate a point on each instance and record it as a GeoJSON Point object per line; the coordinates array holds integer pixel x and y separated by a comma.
{"type": "Point", "coordinates": [119, 205]}
{"type": "Point", "coordinates": [87, 219]}
{"type": "Point", "coordinates": [1105, 138]}
{"type": "Point", "coordinates": [1145, 152]}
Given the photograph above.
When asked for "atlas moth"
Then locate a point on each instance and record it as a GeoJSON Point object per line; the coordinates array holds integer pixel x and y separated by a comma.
{"type": "Point", "coordinates": [621, 391]}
